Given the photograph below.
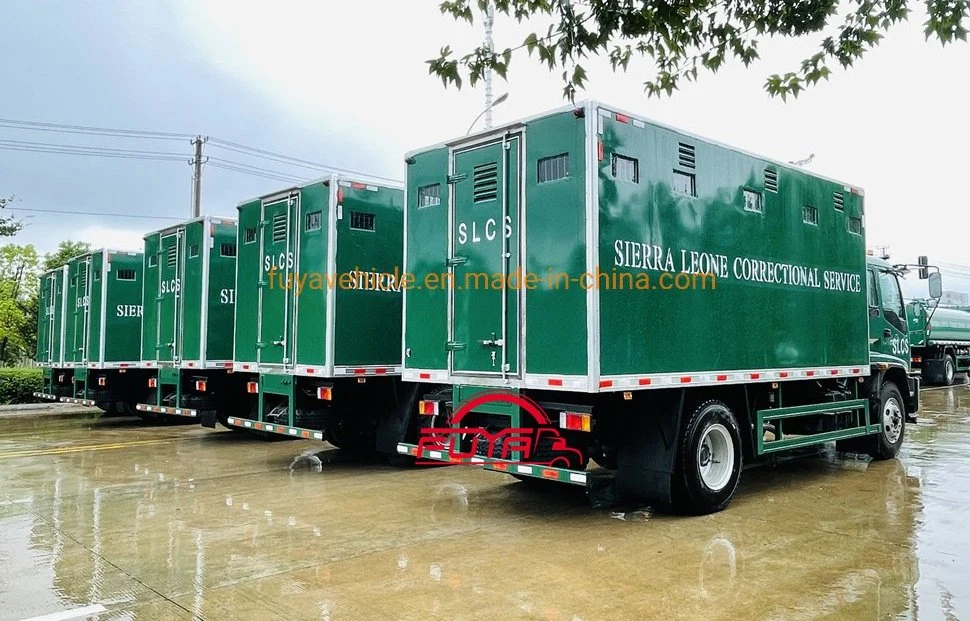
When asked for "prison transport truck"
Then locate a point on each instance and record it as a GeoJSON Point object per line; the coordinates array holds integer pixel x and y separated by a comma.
{"type": "Point", "coordinates": [187, 327]}
{"type": "Point", "coordinates": [318, 314]}
{"type": "Point", "coordinates": [940, 341]}
{"type": "Point", "coordinates": [100, 331]}
{"type": "Point", "coordinates": [674, 306]}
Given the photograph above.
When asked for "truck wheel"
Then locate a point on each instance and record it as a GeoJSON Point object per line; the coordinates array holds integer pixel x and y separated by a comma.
{"type": "Point", "coordinates": [949, 370]}
{"type": "Point", "coordinates": [710, 458]}
{"type": "Point", "coordinates": [892, 424]}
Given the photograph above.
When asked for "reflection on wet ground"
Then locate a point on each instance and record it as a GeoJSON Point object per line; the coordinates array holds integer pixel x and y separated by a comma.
{"type": "Point", "coordinates": [181, 522]}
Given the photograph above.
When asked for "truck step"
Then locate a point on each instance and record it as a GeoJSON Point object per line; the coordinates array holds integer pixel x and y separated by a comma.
{"type": "Point", "coordinates": [283, 430]}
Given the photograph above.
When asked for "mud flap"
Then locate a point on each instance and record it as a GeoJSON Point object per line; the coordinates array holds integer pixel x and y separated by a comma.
{"type": "Point", "coordinates": [208, 418]}
{"type": "Point", "coordinates": [393, 426]}
{"type": "Point", "coordinates": [647, 461]}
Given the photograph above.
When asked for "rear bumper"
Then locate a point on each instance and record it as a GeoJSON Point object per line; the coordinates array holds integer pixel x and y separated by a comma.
{"type": "Point", "coordinates": [538, 471]}
{"type": "Point", "coordinates": [46, 396]}
{"type": "Point", "coordinates": [158, 409]}
{"type": "Point", "coordinates": [76, 401]}
{"type": "Point", "coordinates": [283, 430]}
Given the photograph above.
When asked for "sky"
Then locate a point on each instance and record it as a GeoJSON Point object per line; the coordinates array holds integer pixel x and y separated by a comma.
{"type": "Point", "coordinates": [345, 83]}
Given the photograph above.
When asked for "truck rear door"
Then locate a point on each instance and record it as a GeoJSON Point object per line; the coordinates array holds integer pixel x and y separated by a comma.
{"type": "Point", "coordinates": [169, 290]}
{"type": "Point", "coordinates": [276, 296]}
{"type": "Point", "coordinates": [486, 181]}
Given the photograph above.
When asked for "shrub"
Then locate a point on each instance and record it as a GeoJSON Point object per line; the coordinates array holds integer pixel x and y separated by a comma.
{"type": "Point", "coordinates": [17, 385]}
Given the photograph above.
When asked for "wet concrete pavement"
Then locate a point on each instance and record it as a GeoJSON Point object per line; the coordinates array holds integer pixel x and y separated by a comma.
{"type": "Point", "coordinates": [180, 522]}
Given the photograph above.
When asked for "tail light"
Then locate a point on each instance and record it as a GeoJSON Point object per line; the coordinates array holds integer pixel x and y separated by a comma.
{"type": "Point", "coordinates": [252, 387]}
{"type": "Point", "coordinates": [102, 381]}
{"type": "Point", "coordinates": [200, 385]}
{"type": "Point", "coordinates": [153, 382]}
{"type": "Point", "coordinates": [325, 393]}
{"type": "Point", "coordinates": [575, 421]}
{"type": "Point", "coordinates": [917, 359]}
{"type": "Point", "coordinates": [428, 408]}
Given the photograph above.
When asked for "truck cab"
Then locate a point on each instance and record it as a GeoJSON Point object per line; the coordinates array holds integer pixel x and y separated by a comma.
{"type": "Point", "coordinates": [889, 339]}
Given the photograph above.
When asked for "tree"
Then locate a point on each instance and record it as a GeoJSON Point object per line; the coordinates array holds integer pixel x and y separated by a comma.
{"type": "Point", "coordinates": [19, 272]}
{"type": "Point", "coordinates": [9, 225]}
{"type": "Point", "coordinates": [684, 37]}
{"type": "Point", "coordinates": [66, 250]}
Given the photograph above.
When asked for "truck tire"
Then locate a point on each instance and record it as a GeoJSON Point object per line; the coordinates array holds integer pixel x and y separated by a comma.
{"type": "Point", "coordinates": [710, 459]}
{"type": "Point", "coordinates": [892, 424]}
{"type": "Point", "coordinates": [949, 370]}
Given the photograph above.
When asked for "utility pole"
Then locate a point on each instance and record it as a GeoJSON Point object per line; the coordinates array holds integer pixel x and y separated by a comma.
{"type": "Point", "coordinates": [197, 161]}
{"type": "Point", "coordinates": [489, 22]}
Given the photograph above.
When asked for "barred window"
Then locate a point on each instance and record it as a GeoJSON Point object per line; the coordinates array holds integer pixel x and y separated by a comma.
{"type": "Point", "coordinates": [626, 168]}
{"type": "Point", "coordinates": [684, 183]}
{"type": "Point", "coordinates": [228, 250]}
{"type": "Point", "coordinates": [250, 236]}
{"type": "Point", "coordinates": [429, 196]}
{"type": "Point", "coordinates": [314, 220]}
{"type": "Point", "coordinates": [126, 274]}
{"type": "Point", "coordinates": [810, 214]}
{"type": "Point", "coordinates": [361, 221]}
{"type": "Point", "coordinates": [553, 168]}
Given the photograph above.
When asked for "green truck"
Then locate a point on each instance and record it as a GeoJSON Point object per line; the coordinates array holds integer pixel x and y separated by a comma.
{"type": "Point", "coordinates": [940, 340]}
{"type": "Point", "coordinates": [93, 312]}
{"type": "Point", "coordinates": [318, 314]}
{"type": "Point", "coordinates": [187, 327]}
{"type": "Point", "coordinates": [621, 293]}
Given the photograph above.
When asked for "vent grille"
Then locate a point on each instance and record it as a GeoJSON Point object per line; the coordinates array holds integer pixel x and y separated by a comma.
{"type": "Point", "coordinates": [361, 221]}
{"type": "Point", "coordinates": [838, 199]}
{"type": "Point", "coordinates": [279, 228]}
{"type": "Point", "coordinates": [685, 155]}
{"type": "Point", "coordinates": [171, 256]}
{"type": "Point", "coordinates": [486, 182]}
{"type": "Point", "coordinates": [771, 180]}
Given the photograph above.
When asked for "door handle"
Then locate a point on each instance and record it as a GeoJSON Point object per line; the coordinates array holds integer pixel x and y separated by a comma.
{"type": "Point", "coordinates": [887, 333]}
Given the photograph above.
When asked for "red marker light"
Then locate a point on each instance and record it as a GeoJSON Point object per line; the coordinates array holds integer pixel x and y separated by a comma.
{"type": "Point", "coordinates": [152, 382]}
{"type": "Point", "coordinates": [200, 385]}
{"type": "Point", "coordinates": [252, 387]}
{"type": "Point", "coordinates": [325, 393]}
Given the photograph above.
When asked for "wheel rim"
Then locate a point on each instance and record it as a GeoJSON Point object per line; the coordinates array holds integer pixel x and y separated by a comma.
{"type": "Point", "coordinates": [948, 370]}
{"type": "Point", "coordinates": [892, 421]}
{"type": "Point", "coordinates": [715, 457]}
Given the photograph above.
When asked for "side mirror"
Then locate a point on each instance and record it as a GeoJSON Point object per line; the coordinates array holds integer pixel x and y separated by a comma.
{"type": "Point", "coordinates": [936, 285]}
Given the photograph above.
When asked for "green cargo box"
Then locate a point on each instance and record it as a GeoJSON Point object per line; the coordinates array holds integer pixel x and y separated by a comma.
{"type": "Point", "coordinates": [607, 229]}
{"type": "Point", "coordinates": [187, 328]}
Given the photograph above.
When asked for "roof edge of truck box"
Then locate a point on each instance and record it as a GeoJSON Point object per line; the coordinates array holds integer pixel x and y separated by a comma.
{"type": "Point", "coordinates": [183, 223]}
{"type": "Point", "coordinates": [369, 180]}
{"type": "Point", "coordinates": [592, 104]}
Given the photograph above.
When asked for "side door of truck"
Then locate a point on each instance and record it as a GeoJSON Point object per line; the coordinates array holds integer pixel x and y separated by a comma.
{"type": "Point", "coordinates": [277, 272]}
{"type": "Point", "coordinates": [486, 182]}
{"type": "Point", "coordinates": [888, 332]}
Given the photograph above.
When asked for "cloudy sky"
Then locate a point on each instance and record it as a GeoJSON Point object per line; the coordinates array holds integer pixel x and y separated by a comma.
{"type": "Point", "coordinates": [345, 83]}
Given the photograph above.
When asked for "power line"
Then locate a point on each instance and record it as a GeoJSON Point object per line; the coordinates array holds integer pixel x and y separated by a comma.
{"type": "Point", "coordinates": [83, 129]}
{"type": "Point", "coordinates": [93, 213]}
{"type": "Point", "coordinates": [75, 147]}
{"type": "Point", "coordinates": [256, 168]}
{"type": "Point", "coordinates": [90, 153]}
{"type": "Point", "coordinates": [254, 173]}
{"type": "Point", "coordinates": [256, 152]}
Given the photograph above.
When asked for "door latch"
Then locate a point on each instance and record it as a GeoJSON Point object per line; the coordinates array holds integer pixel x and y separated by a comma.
{"type": "Point", "coordinates": [456, 260]}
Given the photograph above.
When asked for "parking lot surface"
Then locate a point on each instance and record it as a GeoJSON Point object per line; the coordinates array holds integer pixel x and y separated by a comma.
{"type": "Point", "coordinates": [120, 519]}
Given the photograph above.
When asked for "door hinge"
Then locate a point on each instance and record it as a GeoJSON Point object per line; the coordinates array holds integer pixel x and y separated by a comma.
{"type": "Point", "coordinates": [454, 346]}
{"type": "Point", "coordinates": [455, 178]}
{"type": "Point", "coordinates": [453, 261]}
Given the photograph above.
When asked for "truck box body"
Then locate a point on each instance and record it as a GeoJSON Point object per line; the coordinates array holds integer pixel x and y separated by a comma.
{"type": "Point", "coordinates": [50, 326]}
{"type": "Point", "coordinates": [104, 310]}
{"type": "Point", "coordinates": [596, 195]}
{"type": "Point", "coordinates": [318, 312]}
{"type": "Point", "coordinates": [190, 275]}
{"type": "Point", "coordinates": [316, 288]}
{"type": "Point", "coordinates": [187, 330]}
